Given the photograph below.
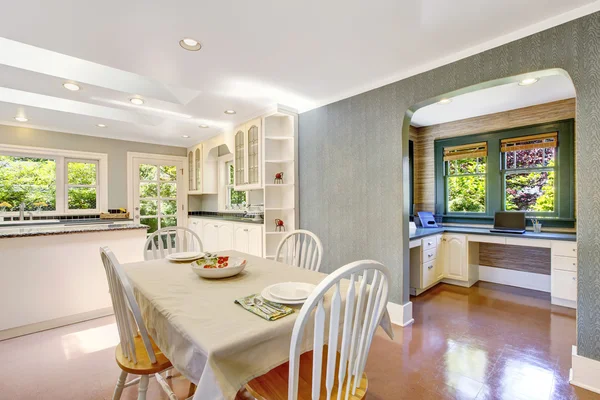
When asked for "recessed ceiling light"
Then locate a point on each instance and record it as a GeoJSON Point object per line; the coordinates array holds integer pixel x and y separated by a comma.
{"type": "Point", "coordinates": [185, 136]}
{"type": "Point", "coordinates": [203, 126]}
{"type": "Point", "coordinates": [190, 44]}
{"type": "Point", "coordinates": [137, 101]}
{"type": "Point", "coordinates": [229, 112]}
{"type": "Point", "coordinates": [445, 101]}
{"type": "Point", "coordinates": [71, 86]}
{"type": "Point", "coordinates": [528, 81]}
{"type": "Point", "coordinates": [101, 125]}
{"type": "Point", "coordinates": [21, 119]}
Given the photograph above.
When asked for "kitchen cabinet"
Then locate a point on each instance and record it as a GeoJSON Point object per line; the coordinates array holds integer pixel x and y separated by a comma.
{"type": "Point", "coordinates": [210, 235]}
{"type": "Point", "coordinates": [248, 238]}
{"type": "Point", "coordinates": [195, 224]}
{"type": "Point", "coordinates": [454, 253]}
{"type": "Point", "coordinates": [195, 170]}
{"type": "Point", "coordinates": [225, 236]}
{"type": "Point", "coordinates": [247, 155]}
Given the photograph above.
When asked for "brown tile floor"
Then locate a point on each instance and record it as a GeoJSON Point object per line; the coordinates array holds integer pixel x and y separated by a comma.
{"type": "Point", "coordinates": [486, 342]}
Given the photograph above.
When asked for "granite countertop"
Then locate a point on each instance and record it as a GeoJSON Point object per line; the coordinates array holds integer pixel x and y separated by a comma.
{"type": "Point", "coordinates": [47, 230]}
{"type": "Point", "coordinates": [233, 218]}
{"type": "Point", "coordinates": [424, 232]}
{"type": "Point", "coordinates": [81, 221]}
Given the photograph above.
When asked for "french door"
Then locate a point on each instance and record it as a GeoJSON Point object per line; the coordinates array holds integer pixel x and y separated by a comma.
{"type": "Point", "coordinates": [158, 192]}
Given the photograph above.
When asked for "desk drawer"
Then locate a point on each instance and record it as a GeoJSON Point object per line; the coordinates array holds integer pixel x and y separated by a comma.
{"type": "Point", "coordinates": [564, 263]}
{"type": "Point", "coordinates": [564, 284]}
{"type": "Point", "coordinates": [429, 273]}
{"type": "Point", "coordinates": [430, 255]}
{"type": "Point", "coordinates": [429, 243]}
{"type": "Point", "coordinates": [564, 248]}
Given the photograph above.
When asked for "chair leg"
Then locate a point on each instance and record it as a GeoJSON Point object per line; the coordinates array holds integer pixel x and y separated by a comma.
{"type": "Point", "coordinates": [120, 385]}
{"type": "Point", "coordinates": [143, 388]}
{"type": "Point", "coordinates": [191, 390]}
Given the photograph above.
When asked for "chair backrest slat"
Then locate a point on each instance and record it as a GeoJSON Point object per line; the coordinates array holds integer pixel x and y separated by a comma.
{"type": "Point", "coordinates": [173, 239]}
{"type": "Point", "coordinates": [127, 312]}
{"type": "Point", "coordinates": [300, 248]}
{"type": "Point", "coordinates": [365, 303]}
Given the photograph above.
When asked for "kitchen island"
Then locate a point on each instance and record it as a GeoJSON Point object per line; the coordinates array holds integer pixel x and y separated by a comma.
{"type": "Point", "coordinates": [53, 275]}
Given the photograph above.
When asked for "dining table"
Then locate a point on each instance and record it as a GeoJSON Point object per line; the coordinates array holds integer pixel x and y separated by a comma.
{"type": "Point", "coordinates": [212, 341]}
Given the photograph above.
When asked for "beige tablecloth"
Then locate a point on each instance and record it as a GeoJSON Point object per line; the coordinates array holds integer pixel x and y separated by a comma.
{"type": "Point", "coordinates": [213, 342]}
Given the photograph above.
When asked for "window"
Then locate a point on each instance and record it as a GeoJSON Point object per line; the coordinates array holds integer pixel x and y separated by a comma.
{"type": "Point", "coordinates": [529, 173]}
{"type": "Point", "coordinates": [82, 184]}
{"type": "Point", "coordinates": [51, 182]}
{"type": "Point", "coordinates": [527, 169]}
{"type": "Point", "coordinates": [465, 174]}
{"type": "Point", "coordinates": [235, 199]}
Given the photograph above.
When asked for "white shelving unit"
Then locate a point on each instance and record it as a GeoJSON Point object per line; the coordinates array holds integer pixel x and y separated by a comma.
{"type": "Point", "coordinates": [280, 154]}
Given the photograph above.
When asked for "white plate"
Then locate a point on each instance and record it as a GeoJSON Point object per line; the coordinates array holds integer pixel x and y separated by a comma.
{"type": "Point", "coordinates": [291, 290]}
{"type": "Point", "coordinates": [267, 296]}
{"type": "Point", "coordinates": [235, 266]}
{"type": "Point", "coordinates": [185, 256]}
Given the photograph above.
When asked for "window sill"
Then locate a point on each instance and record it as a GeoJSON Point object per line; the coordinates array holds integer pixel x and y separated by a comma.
{"type": "Point", "coordinates": [552, 222]}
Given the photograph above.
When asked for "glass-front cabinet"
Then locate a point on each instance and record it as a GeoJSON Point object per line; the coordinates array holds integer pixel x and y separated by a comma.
{"type": "Point", "coordinates": [247, 157]}
{"type": "Point", "coordinates": [195, 169]}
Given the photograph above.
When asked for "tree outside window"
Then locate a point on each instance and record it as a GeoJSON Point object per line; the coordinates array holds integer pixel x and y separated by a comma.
{"type": "Point", "coordinates": [235, 199]}
{"type": "Point", "coordinates": [465, 183]}
{"type": "Point", "coordinates": [529, 179]}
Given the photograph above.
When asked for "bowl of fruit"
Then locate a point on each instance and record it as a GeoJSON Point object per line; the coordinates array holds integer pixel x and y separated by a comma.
{"type": "Point", "coordinates": [213, 266]}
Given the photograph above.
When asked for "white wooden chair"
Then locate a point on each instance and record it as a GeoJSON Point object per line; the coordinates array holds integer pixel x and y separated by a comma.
{"type": "Point", "coordinates": [343, 376]}
{"type": "Point", "coordinates": [300, 248]}
{"type": "Point", "coordinates": [136, 353]}
{"type": "Point", "coordinates": [173, 239]}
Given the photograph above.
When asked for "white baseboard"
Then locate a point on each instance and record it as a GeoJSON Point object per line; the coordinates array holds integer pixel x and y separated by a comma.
{"type": "Point", "coordinates": [564, 303]}
{"type": "Point", "coordinates": [54, 323]}
{"type": "Point", "coordinates": [400, 314]}
{"type": "Point", "coordinates": [526, 280]}
{"type": "Point", "coordinates": [585, 372]}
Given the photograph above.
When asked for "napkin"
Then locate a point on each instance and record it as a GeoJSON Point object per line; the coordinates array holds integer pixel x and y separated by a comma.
{"type": "Point", "coordinates": [248, 303]}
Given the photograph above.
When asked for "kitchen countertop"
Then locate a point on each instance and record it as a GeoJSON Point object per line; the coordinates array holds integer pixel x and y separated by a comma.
{"type": "Point", "coordinates": [424, 232]}
{"type": "Point", "coordinates": [228, 218]}
{"type": "Point", "coordinates": [49, 229]}
{"type": "Point", "coordinates": [82, 221]}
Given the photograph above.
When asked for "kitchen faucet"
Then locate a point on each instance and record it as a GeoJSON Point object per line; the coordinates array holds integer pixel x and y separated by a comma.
{"type": "Point", "coordinates": [22, 211]}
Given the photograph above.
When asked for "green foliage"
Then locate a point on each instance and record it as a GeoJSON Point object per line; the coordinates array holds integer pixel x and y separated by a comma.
{"type": "Point", "coordinates": [168, 190]}
{"type": "Point", "coordinates": [466, 193]}
{"type": "Point", "coordinates": [28, 180]}
{"type": "Point", "coordinates": [80, 173]}
{"type": "Point", "coordinates": [147, 172]}
{"type": "Point", "coordinates": [81, 198]}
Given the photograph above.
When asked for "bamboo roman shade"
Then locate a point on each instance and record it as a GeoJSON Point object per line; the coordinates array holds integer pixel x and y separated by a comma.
{"type": "Point", "coordinates": [544, 140]}
{"type": "Point", "coordinates": [471, 150]}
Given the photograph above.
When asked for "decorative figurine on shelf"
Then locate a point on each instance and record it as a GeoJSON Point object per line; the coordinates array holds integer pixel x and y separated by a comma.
{"type": "Point", "coordinates": [279, 227]}
{"type": "Point", "coordinates": [278, 178]}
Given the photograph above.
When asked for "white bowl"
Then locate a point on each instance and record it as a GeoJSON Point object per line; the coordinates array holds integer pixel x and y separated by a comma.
{"type": "Point", "coordinates": [234, 267]}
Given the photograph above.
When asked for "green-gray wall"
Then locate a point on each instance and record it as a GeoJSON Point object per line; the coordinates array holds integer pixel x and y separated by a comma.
{"type": "Point", "coordinates": [351, 155]}
{"type": "Point", "coordinates": [116, 150]}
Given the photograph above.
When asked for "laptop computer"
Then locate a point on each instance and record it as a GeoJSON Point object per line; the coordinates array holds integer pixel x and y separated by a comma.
{"type": "Point", "coordinates": [509, 222]}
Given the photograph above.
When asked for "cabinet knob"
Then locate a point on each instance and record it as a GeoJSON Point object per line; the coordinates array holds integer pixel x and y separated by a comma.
{"type": "Point", "coordinates": [574, 264]}
{"type": "Point", "coordinates": [574, 278]}
{"type": "Point", "coordinates": [245, 230]}
{"type": "Point", "coordinates": [216, 226]}
{"type": "Point", "coordinates": [443, 240]}
{"type": "Point", "coordinates": [431, 266]}
{"type": "Point", "coordinates": [429, 255]}
{"type": "Point", "coordinates": [429, 243]}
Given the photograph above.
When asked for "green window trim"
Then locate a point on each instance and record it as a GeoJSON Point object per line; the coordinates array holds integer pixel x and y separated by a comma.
{"type": "Point", "coordinates": [563, 215]}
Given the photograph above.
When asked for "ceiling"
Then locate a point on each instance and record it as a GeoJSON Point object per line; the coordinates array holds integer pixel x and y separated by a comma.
{"type": "Point", "coordinates": [495, 99]}
{"type": "Point", "coordinates": [254, 55]}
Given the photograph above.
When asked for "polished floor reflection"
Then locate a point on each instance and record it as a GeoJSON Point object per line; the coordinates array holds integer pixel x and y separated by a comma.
{"type": "Point", "coordinates": [485, 342]}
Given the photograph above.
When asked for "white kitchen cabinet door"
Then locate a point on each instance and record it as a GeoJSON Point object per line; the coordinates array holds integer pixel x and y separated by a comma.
{"type": "Point", "coordinates": [225, 236]}
{"type": "Point", "coordinates": [454, 253]}
{"type": "Point", "coordinates": [564, 284]}
{"type": "Point", "coordinates": [195, 224]}
{"type": "Point", "coordinates": [240, 241]}
{"type": "Point", "coordinates": [210, 235]}
{"type": "Point", "coordinates": [255, 240]}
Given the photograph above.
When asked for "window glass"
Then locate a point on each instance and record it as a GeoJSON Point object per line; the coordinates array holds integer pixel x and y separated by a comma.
{"type": "Point", "coordinates": [529, 179]}
{"type": "Point", "coordinates": [82, 181]}
{"type": "Point", "coordinates": [235, 199]}
{"type": "Point", "coordinates": [28, 180]}
{"type": "Point", "coordinates": [466, 185]}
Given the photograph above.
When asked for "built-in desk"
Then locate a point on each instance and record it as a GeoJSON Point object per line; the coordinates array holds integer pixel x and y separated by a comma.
{"type": "Point", "coordinates": [451, 255]}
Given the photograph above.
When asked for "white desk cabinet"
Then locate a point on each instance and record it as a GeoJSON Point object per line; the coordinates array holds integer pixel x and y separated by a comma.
{"type": "Point", "coordinates": [564, 273]}
{"type": "Point", "coordinates": [455, 257]}
{"type": "Point", "coordinates": [425, 265]}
